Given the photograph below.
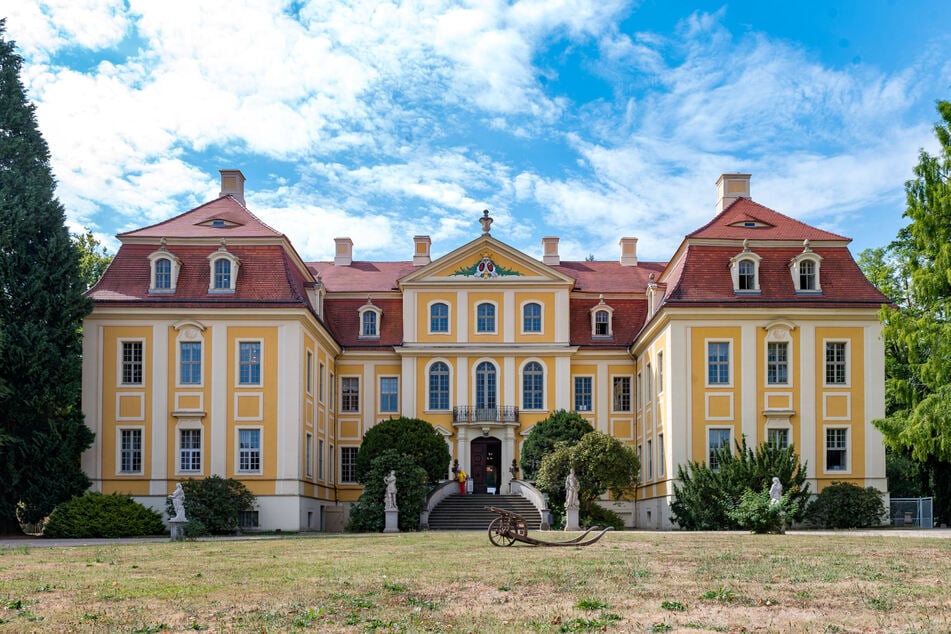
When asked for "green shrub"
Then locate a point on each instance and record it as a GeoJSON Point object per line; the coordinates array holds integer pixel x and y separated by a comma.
{"type": "Point", "coordinates": [411, 437]}
{"type": "Point", "coordinates": [757, 513]}
{"type": "Point", "coordinates": [561, 426]}
{"type": "Point", "coordinates": [597, 515]}
{"type": "Point", "coordinates": [98, 515]}
{"type": "Point", "coordinates": [213, 503]}
{"type": "Point", "coordinates": [368, 514]}
{"type": "Point", "coordinates": [846, 505]}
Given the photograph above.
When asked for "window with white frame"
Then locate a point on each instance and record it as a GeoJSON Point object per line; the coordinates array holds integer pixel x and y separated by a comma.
{"type": "Point", "coordinates": [532, 318]}
{"type": "Point", "coordinates": [717, 439]}
{"type": "Point", "coordinates": [533, 386]}
{"type": "Point", "coordinates": [583, 401]}
{"type": "Point", "coordinates": [130, 450]}
{"type": "Point", "coordinates": [309, 372]}
{"type": "Point", "coordinates": [189, 450]}
{"type": "Point", "coordinates": [389, 394]}
{"type": "Point", "coordinates": [638, 401]}
{"type": "Point", "coordinates": [309, 455]}
{"type": "Point", "coordinates": [661, 460]}
{"type": "Point", "coordinates": [349, 394]}
{"type": "Point", "coordinates": [163, 274]}
{"type": "Point", "coordinates": [718, 363]}
{"type": "Point", "coordinates": [485, 317]}
{"type": "Point", "coordinates": [371, 316]}
{"type": "Point", "coordinates": [439, 318]}
{"type": "Point", "coordinates": [249, 450]}
{"type": "Point", "coordinates": [836, 370]}
{"type": "Point", "coordinates": [330, 457]}
{"type": "Point", "coordinates": [132, 362]}
{"type": "Point", "coordinates": [348, 464]}
{"type": "Point", "coordinates": [640, 461]}
{"type": "Point", "coordinates": [777, 363]}
{"type": "Point", "coordinates": [223, 271]}
{"type": "Point", "coordinates": [601, 320]}
{"type": "Point", "coordinates": [744, 270]}
{"type": "Point", "coordinates": [837, 449]}
{"type": "Point", "coordinates": [439, 387]}
{"type": "Point", "coordinates": [804, 269]}
{"type": "Point", "coordinates": [249, 363]}
{"type": "Point", "coordinates": [648, 380]}
{"type": "Point", "coordinates": [777, 437]}
{"type": "Point", "coordinates": [320, 459]}
{"type": "Point", "coordinates": [621, 401]}
{"type": "Point", "coordinates": [807, 275]}
{"type": "Point", "coordinates": [320, 382]}
{"type": "Point", "coordinates": [165, 268]}
{"type": "Point", "coordinates": [332, 386]}
{"type": "Point", "coordinates": [660, 372]}
{"type": "Point", "coordinates": [189, 362]}
{"type": "Point", "coordinates": [746, 273]}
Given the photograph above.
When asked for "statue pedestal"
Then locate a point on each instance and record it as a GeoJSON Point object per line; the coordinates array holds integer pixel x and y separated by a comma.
{"type": "Point", "coordinates": [571, 520]}
{"type": "Point", "coordinates": [392, 522]}
{"type": "Point", "coordinates": [178, 529]}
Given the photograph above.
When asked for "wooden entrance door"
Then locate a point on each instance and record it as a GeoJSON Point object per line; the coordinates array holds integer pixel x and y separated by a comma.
{"type": "Point", "coordinates": [486, 465]}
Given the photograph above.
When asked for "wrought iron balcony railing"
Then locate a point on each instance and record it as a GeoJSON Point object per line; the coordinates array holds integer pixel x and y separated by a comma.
{"type": "Point", "coordinates": [472, 414]}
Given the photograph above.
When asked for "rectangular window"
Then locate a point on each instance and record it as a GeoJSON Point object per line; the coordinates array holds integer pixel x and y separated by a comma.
{"type": "Point", "coordinates": [348, 464]}
{"type": "Point", "coordinates": [778, 438]}
{"type": "Point", "coordinates": [249, 450]}
{"type": "Point", "coordinates": [836, 363]}
{"type": "Point", "coordinates": [622, 393]}
{"type": "Point", "coordinates": [320, 458]}
{"type": "Point", "coordinates": [330, 457]}
{"type": "Point", "coordinates": [837, 439]}
{"type": "Point", "coordinates": [582, 393]}
{"type": "Point", "coordinates": [777, 363]}
{"type": "Point", "coordinates": [132, 363]}
{"type": "Point", "coordinates": [638, 390]}
{"type": "Point", "coordinates": [718, 363]}
{"type": "Point", "coordinates": [389, 394]}
{"type": "Point", "coordinates": [309, 371]}
{"type": "Point", "coordinates": [640, 460]}
{"type": "Point", "coordinates": [650, 459]}
{"type": "Point", "coordinates": [349, 394]}
{"type": "Point", "coordinates": [717, 439]}
{"type": "Point", "coordinates": [189, 450]}
{"type": "Point", "coordinates": [649, 388]}
{"type": "Point", "coordinates": [332, 386]}
{"type": "Point", "coordinates": [661, 461]}
{"type": "Point", "coordinates": [130, 451]}
{"type": "Point", "coordinates": [309, 455]}
{"type": "Point", "coordinates": [660, 372]}
{"type": "Point", "coordinates": [320, 383]}
{"type": "Point", "coordinates": [249, 363]}
{"type": "Point", "coordinates": [248, 519]}
{"type": "Point", "coordinates": [189, 366]}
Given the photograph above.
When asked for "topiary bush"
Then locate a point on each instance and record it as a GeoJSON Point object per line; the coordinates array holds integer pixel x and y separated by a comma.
{"type": "Point", "coordinates": [846, 505]}
{"type": "Point", "coordinates": [411, 437]}
{"type": "Point", "coordinates": [213, 504]}
{"type": "Point", "coordinates": [98, 515]}
{"type": "Point", "coordinates": [368, 514]}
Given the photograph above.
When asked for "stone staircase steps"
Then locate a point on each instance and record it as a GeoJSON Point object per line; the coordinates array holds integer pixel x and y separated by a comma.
{"type": "Point", "coordinates": [467, 512]}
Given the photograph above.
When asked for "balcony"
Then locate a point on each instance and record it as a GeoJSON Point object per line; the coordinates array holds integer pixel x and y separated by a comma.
{"type": "Point", "coordinates": [472, 414]}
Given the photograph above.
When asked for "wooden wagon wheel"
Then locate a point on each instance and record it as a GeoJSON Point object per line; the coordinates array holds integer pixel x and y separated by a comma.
{"type": "Point", "coordinates": [498, 533]}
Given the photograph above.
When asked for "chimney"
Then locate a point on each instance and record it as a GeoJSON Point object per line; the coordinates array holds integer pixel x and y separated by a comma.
{"type": "Point", "coordinates": [343, 255]}
{"type": "Point", "coordinates": [731, 187]}
{"type": "Point", "coordinates": [628, 251]}
{"type": "Point", "coordinates": [232, 184]}
{"type": "Point", "coordinates": [421, 246]}
{"type": "Point", "coordinates": [550, 251]}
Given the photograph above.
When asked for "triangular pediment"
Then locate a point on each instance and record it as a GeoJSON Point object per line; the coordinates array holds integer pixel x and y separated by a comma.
{"type": "Point", "coordinates": [483, 260]}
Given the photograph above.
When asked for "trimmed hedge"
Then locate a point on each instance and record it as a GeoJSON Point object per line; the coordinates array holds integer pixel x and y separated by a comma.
{"type": "Point", "coordinates": [847, 505]}
{"type": "Point", "coordinates": [98, 515]}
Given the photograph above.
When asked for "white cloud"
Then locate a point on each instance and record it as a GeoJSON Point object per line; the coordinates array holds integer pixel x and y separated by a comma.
{"type": "Point", "coordinates": [43, 29]}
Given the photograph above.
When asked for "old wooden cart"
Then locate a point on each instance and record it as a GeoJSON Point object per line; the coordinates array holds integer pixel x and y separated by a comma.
{"type": "Point", "coordinates": [510, 527]}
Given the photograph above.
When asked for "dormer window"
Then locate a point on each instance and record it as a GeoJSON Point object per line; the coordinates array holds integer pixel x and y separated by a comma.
{"type": "Point", "coordinates": [601, 320]}
{"type": "Point", "coordinates": [164, 271]}
{"type": "Point", "coordinates": [370, 315]}
{"type": "Point", "coordinates": [804, 269]}
{"type": "Point", "coordinates": [744, 269]}
{"type": "Point", "coordinates": [223, 271]}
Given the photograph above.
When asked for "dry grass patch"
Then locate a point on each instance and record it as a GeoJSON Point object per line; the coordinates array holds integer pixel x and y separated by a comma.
{"type": "Point", "coordinates": [458, 582]}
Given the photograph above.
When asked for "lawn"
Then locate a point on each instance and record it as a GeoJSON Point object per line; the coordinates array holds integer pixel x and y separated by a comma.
{"type": "Point", "coordinates": [458, 582]}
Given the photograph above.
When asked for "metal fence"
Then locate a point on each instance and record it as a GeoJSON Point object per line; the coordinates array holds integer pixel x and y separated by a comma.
{"type": "Point", "coordinates": [912, 512]}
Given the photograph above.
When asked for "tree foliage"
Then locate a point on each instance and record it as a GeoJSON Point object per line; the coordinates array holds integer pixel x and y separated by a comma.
{"type": "Point", "coordinates": [94, 259]}
{"type": "Point", "coordinates": [704, 498]}
{"type": "Point", "coordinates": [98, 515]}
{"type": "Point", "coordinates": [213, 504]}
{"type": "Point", "coordinates": [41, 311]}
{"type": "Point", "coordinates": [757, 513]}
{"type": "Point", "coordinates": [602, 464]}
{"type": "Point", "coordinates": [846, 505]}
{"type": "Point", "coordinates": [560, 426]}
{"type": "Point", "coordinates": [368, 514]}
{"type": "Point", "coordinates": [411, 437]}
{"type": "Point", "coordinates": [918, 332]}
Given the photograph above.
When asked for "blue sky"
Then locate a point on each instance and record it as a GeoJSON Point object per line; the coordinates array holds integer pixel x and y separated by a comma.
{"type": "Point", "coordinates": [587, 120]}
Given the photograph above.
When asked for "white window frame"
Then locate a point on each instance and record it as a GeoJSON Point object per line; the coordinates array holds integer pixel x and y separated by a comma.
{"type": "Point", "coordinates": [709, 448]}
{"type": "Point", "coordinates": [599, 307]}
{"type": "Point", "coordinates": [308, 455]}
{"type": "Point", "coordinates": [369, 307]}
{"type": "Point", "coordinates": [574, 388]}
{"type": "Point", "coordinates": [773, 429]}
{"type": "Point", "coordinates": [661, 459]}
{"type": "Point", "coordinates": [650, 458]}
{"type": "Point", "coordinates": [223, 253]}
{"type": "Point", "coordinates": [795, 272]}
{"type": "Point", "coordinates": [660, 372]}
{"type": "Point", "coordinates": [706, 363]}
{"type": "Point", "coordinates": [237, 363]}
{"type": "Point", "coordinates": [179, 378]}
{"type": "Point", "coordinates": [848, 449]}
{"type": "Point", "coordinates": [349, 411]}
{"type": "Point", "coordinates": [614, 394]}
{"type": "Point", "coordinates": [747, 256]}
{"type": "Point", "coordinates": [120, 350]}
{"type": "Point", "coordinates": [189, 425]}
{"type": "Point", "coordinates": [788, 362]}
{"type": "Point", "coordinates": [320, 459]}
{"type": "Point", "coordinates": [495, 317]}
{"type": "Point", "coordinates": [848, 363]}
{"type": "Point", "coordinates": [174, 269]}
{"type": "Point", "coordinates": [396, 381]}
{"type": "Point", "coordinates": [429, 317]}
{"type": "Point", "coordinates": [237, 450]}
{"type": "Point", "coordinates": [343, 451]}
{"type": "Point", "coordinates": [521, 374]}
{"type": "Point", "coordinates": [321, 382]}
{"type": "Point", "coordinates": [132, 428]}
{"type": "Point", "coordinates": [309, 372]}
{"type": "Point", "coordinates": [429, 367]}
{"type": "Point", "coordinates": [541, 317]}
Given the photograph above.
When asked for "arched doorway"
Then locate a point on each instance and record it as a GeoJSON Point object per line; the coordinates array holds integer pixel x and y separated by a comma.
{"type": "Point", "coordinates": [486, 467]}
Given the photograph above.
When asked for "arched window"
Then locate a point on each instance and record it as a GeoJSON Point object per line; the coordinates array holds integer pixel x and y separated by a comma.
{"type": "Point", "coordinates": [486, 388]}
{"type": "Point", "coordinates": [163, 274]}
{"type": "Point", "coordinates": [532, 317]}
{"type": "Point", "coordinates": [602, 322]}
{"type": "Point", "coordinates": [164, 267]}
{"type": "Point", "coordinates": [744, 270]}
{"type": "Point", "coordinates": [485, 317]}
{"type": "Point", "coordinates": [805, 270]}
{"type": "Point", "coordinates": [439, 317]}
{"type": "Point", "coordinates": [807, 275]}
{"type": "Point", "coordinates": [222, 279]}
{"type": "Point", "coordinates": [747, 275]}
{"type": "Point", "coordinates": [371, 317]}
{"type": "Point", "coordinates": [533, 386]}
{"type": "Point", "coordinates": [439, 386]}
{"type": "Point", "coordinates": [368, 328]}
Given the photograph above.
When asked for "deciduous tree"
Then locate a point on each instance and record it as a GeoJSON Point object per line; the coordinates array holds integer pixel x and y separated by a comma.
{"type": "Point", "coordinates": [560, 426]}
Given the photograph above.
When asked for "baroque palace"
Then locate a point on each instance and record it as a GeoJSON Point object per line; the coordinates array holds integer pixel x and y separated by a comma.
{"type": "Point", "coordinates": [214, 349]}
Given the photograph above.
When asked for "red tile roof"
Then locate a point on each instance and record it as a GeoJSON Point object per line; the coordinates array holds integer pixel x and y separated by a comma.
{"type": "Point", "coordinates": [777, 226]}
{"type": "Point", "coordinates": [361, 277]}
{"type": "Point", "coordinates": [342, 317]}
{"type": "Point", "coordinates": [191, 224]}
{"type": "Point", "coordinates": [267, 275]}
{"type": "Point", "coordinates": [626, 321]}
{"type": "Point", "coordinates": [610, 277]}
{"type": "Point", "coordinates": [704, 276]}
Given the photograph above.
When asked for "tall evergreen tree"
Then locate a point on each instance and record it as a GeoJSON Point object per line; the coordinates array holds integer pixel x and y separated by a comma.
{"type": "Point", "coordinates": [41, 312]}
{"type": "Point", "coordinates": [918, 333]}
